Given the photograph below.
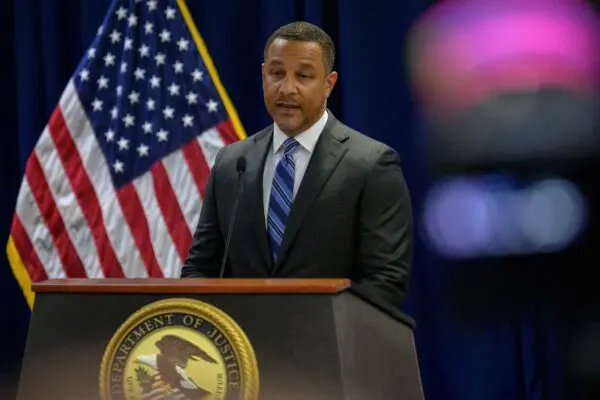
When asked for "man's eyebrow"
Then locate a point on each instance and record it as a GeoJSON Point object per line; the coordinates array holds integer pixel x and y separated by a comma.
{"type": "Point", "coordinates": [307, 65]}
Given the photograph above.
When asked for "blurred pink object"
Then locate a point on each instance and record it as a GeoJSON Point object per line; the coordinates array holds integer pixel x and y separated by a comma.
{"type": "Point", "coordinates": [462, 52]}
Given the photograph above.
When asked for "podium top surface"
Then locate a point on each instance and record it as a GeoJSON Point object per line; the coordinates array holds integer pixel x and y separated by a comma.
{"type": "Point", "coordinates": [192, 285]}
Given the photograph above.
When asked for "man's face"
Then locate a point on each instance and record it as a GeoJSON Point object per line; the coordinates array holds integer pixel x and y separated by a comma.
{"type": "Point", "coordinates": [295, 84]}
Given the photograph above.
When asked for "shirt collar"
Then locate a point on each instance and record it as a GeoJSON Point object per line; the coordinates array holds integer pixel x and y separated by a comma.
{"type": "Point", "coordinates": [307, 139]}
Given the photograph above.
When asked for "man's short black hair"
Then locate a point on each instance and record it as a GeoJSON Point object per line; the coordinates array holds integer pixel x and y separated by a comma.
{"type": "Point", "coordinates": [301, 31]}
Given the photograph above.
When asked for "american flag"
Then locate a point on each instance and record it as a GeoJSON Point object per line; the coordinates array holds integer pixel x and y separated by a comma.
{"type": "Point", "coordinates": [115, 183]}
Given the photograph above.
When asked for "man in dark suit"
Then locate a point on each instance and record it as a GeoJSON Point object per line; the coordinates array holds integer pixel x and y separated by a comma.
{"type": "Point", "coordinates": [318, 199]}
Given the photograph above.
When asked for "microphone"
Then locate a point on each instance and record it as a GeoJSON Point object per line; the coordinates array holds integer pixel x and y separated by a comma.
{"type": "Point", "coordinates": [240, 168]}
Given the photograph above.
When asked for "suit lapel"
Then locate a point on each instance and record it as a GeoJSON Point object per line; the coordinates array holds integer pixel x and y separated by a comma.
{"type": "Point", "coordinates": [254, 192]}
{"type": "Point", "coordinates": [327, 155]}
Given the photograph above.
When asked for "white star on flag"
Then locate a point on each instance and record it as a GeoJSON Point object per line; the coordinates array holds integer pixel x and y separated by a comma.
{"type": "Point", "coordinates": [212, 105]}
{"type": "Point", "coordinates": [143, 150]}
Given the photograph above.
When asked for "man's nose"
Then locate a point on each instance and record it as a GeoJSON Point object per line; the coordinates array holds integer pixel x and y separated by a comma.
{"type": "Point", "coordinates": [288, 86]}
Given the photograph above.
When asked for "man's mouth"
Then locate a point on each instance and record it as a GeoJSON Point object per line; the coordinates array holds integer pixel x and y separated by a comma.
{"type": "Point", "coordinates": [287, 106]}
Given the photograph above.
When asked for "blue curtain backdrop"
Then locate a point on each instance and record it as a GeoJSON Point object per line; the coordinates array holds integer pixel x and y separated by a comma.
{"type": "Point", "coordinates": [504, 358]}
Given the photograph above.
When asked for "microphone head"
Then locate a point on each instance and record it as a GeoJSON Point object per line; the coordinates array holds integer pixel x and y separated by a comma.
{"type": "Point", "coordinates": [241, 164]}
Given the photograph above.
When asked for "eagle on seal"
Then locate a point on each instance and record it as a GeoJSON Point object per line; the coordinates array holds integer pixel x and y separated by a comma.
{"type": "Point", "coordinates": [170, 378]}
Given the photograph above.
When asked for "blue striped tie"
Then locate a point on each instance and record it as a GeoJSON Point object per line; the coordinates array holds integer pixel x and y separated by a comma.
{"type": "Point", "coordinates": [281, 199]}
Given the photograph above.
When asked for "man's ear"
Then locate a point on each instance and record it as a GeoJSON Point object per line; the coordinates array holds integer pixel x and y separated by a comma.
{"type": "Point", "coordinates": [330, 80]}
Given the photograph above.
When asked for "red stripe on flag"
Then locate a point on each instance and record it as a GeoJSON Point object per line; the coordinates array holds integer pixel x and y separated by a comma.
{"type": "Point", "coordinates": [86, 196]}
{"type": "Point", "coordinates": [30, 259]}
{"type": "Point", "coordinates": [227, 132]}
{"type": "Point", "coordinates": [136, 219]}
{"type": "Point", "coordinates": [171, 211]}
{"type": "Point", "coordinates": [196, 162]}
{"type": "Point", "coordinates": [43, 197]}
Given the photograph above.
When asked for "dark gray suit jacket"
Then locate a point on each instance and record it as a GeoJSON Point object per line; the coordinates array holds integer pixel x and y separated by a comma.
{"type": "Point", "coordinates": [351, 217]}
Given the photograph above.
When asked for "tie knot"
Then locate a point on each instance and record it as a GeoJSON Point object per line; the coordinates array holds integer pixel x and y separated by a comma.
{"type": "Point", "coordinates": [289, 146]}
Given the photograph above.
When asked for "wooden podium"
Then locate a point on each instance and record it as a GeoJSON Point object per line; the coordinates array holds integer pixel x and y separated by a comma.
{"type": "Point", "coordinates": [281, 339]}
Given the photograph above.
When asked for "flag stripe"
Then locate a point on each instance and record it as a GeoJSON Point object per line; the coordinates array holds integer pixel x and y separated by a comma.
{"type": "Point", "coordinates": [30, 216]}
{"type": "Point", "coordinates": [20, 271]}
{"type": "Point", "coordinates": [88, 205]}
{"type": "Point", "coordinates": [227, 132]}
{"type": "Point", "coordinates": [96, 171]}
{"type": "Point", "coordinates": [43, 197]}
{"type": "Point", "coordinates": [26, 251]}
{"type": "Point", "coordinates": [159, 239]}
{"type": "Point", "coordinates": [171, 211]}
{"type": "Point", "coordinates": [197, 164]}
{"type": "Point", "coordinates": [67, 209]}
{"type": "Point", "coordinates": [134, 215]}
{"type": "Point", "coordinates": [211, 142]}
{"type": "Point", "coordinates": [184, 187]}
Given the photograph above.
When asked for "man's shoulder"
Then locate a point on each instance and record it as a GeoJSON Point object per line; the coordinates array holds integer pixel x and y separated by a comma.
{"type": "Point", "coordinates": [232, 151]}
{"type": "Point", "coordinates": [362, 145]}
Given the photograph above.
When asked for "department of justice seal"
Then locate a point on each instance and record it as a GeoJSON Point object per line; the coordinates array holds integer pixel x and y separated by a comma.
{"type": "Point", "coordinates": [179, 349]}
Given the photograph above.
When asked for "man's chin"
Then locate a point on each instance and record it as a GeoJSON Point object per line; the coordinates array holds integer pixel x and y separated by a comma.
{"type": "Point", "coordinates": [287, 125]}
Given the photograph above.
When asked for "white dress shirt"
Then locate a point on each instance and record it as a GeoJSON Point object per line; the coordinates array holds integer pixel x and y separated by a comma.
{"type": "Point", "coordinates": [307, 140]}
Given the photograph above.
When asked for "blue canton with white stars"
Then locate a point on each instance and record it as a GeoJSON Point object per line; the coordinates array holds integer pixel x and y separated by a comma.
{"type": "Point", "coordinates": [145, 87]}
